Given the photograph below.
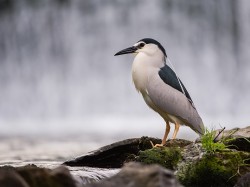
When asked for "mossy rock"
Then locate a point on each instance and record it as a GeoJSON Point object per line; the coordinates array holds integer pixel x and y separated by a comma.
{"type": "Point", "coordinates": [219, 169]}
{"type": "Point", "coordinates": [166, 157]}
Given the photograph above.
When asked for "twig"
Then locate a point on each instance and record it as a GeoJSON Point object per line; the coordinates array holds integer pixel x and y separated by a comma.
{"type": "Point", "coordinates": [219, 134]}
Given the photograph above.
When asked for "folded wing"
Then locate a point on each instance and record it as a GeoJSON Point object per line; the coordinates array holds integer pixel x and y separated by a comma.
{"type": "Point", "coordinates": [168, 96]}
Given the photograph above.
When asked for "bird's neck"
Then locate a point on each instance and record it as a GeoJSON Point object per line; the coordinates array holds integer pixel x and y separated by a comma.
{"type": "Point", "coordinates": [144, 67]}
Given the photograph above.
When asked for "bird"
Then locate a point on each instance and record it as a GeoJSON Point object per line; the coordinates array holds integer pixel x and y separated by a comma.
{"type": "Point", "coordinates": [161, 88]}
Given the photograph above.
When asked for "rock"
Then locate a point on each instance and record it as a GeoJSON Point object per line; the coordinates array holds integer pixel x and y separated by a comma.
{"type": "Point", "coordinates": [177, 143]}
{"type": "Point", "coordinates": [9, 177]}
{"type": "Point", "coordinates": [238, 132]}
{"type": "Point", "coordinates": [238, 138]}
{"type": "Point", "coordinates": [33, 176]}
{"type": "Point", "coordinates": [244, 181]}
{"type": "Point", "coordinates": [114, 155]}
{"type": "Point", "coordinates": [138, 175]}
{"type": "Point", "coordinates": [62, 176]}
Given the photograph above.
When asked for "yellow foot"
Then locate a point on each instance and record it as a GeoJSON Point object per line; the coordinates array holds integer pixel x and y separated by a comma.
{"type": "Point", "coordinates": [156, 145]}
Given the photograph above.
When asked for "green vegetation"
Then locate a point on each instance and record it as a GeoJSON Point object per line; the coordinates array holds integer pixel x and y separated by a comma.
{"type": "Point", "coordinates": [167, 157]}
{"type": "Point", "coordinates": [208, 143]}
{"type": "Point", "coordinates": [218, 169]}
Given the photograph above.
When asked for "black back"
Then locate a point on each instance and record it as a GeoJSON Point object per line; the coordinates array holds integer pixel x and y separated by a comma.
{"type": "Point", "coordinates": [152, 41]}
{"type": "Point", "coordinates": [170, 78]}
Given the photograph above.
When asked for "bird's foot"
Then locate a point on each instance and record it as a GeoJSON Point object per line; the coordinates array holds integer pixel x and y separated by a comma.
{"type": "Point", "coordinates": [156, 145]}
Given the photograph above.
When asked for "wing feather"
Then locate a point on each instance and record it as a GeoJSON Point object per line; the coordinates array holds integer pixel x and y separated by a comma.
{"type": "Point", "coordinates": [170, 78]}
{"type": "Point", "coordinates": [172, 101]}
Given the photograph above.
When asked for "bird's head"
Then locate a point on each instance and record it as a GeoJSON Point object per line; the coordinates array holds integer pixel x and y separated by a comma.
{"type": "Point", "coordinates": [147, 45]}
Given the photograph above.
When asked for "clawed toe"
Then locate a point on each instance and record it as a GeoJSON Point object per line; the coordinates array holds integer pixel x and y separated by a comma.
{"type": "Point", "coordinates": [158, 145]}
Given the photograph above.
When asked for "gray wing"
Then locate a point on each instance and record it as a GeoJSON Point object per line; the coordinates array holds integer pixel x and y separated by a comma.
{"type": "Point", "coordinates": [170, 78]}
{"type": "Point", "coordinates": [174, 102]}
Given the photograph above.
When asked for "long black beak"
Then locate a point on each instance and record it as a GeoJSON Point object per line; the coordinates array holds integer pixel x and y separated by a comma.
{"type": "Point", "coordinates": [126, 51]}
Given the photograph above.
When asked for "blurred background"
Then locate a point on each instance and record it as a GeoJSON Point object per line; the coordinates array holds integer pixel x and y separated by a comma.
{"type": "Point", "coordinates": [59, 77]}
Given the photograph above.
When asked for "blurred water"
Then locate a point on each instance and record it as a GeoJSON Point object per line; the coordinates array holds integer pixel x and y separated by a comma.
{"type": "Point", "coordinates": [58, 75]}
{"type": "Point", "coordinates": [51, 153]}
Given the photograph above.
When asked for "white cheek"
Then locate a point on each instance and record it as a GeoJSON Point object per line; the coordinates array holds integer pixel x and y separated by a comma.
{"type": "Point", "coordinates": [149, 50]}
{"type": "Point", "coordinates": [134, 54]}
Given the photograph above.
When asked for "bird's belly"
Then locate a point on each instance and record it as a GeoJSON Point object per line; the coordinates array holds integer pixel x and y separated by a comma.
{"type": "Point", "coordinates": [166, 116]}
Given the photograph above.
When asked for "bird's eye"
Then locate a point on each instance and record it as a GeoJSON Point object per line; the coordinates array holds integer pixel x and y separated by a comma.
{"type": "Point", "coordinates": [141, 45]}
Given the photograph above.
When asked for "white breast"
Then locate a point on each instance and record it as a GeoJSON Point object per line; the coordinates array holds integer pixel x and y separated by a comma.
{"type": "Point", "coordinates": [139, 75]}
{"type": "Point", "coordinates": [143, 67]}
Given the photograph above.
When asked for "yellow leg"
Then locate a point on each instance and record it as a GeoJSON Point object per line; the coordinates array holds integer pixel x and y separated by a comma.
{"type": "Point", "coordinates": [177, 126]}
{"type": "Point", "coordinates": [165, 136]}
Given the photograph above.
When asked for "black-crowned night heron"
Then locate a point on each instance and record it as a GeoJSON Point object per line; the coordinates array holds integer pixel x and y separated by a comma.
{"type": "Point", "coordinates": [160, 87]}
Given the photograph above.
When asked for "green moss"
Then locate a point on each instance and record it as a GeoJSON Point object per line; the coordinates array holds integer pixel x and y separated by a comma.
{"type": "Point", "coordinates": [166, 157]}
{"type": "Point", "coordinates": [218, 169]}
